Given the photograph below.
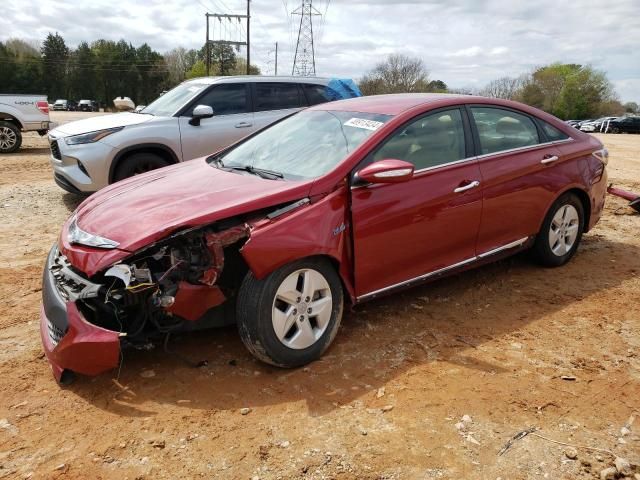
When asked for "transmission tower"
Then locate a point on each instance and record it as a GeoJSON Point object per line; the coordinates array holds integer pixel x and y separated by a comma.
{"type": "Point", "coordinates": [304, 62]}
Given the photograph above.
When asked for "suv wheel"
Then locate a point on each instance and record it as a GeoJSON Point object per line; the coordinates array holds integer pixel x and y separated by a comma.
{"type": "Point", "coordinates": [138, 163]}
{"type": "Point", "coordinates": [290, 317]}
{"type": "Point", "coordinates": [10, 137]}
{"type": "Point", "coordinates": [561, 232]}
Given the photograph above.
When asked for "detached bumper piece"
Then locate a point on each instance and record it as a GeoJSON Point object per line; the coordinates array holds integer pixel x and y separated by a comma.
{"type": "Point", "coordinates": [633, 198]}
{"type": "Point", "coordinates": [70, 342]}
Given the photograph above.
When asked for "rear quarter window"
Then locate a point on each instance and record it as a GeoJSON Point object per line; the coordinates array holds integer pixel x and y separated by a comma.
{"type": "Point", "coordinates": [553, 134]}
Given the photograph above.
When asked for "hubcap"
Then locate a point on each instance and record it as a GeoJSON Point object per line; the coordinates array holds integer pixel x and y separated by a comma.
{"type": "Point", "coordinates": [564, 230]}
{"type": "Point", "coordinates": [8, 138]}
{"type": "Point", "coordinates": [302, 309]}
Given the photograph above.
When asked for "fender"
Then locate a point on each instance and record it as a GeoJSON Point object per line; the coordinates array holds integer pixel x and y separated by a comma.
{"type": "Point", "coordinates": [7, 111]}
{"type": "Point", "coordinates": [140, 146]}
{"type": "Point", "coordinates": [318, 229]}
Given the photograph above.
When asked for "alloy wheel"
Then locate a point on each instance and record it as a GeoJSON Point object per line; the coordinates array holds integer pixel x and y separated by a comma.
{"type": "Point", "coordinates": [8, 138]}
{"type": "Point", "coordinates": [563, 230]}
{"type": "Point", "coordinates": [302, 309]}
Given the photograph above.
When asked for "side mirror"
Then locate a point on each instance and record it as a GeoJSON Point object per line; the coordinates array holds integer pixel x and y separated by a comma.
{"type": "Point", "coordinates": [387, 171]}
{"type": "Point", "coordinates": [200, 112]}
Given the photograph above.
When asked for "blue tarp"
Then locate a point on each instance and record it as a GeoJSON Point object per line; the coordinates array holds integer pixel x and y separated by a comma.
{"type": "Point", "coordinates": [341, 88]}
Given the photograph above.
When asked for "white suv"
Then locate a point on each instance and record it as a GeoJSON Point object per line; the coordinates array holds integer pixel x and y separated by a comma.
{"type": "Point", "coordinates": [196, 118]}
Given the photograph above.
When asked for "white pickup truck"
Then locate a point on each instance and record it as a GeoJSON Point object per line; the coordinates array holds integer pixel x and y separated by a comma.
{"type": "Point", "coordinates": [22, 113]}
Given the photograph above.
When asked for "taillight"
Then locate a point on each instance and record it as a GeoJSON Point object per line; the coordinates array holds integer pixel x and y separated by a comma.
{"type": "Point", "coordinates": [43, 107]}
{"type": "Point", "coordinates": [602, 155]}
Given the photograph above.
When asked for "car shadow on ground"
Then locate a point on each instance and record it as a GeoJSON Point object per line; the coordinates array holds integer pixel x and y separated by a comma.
{"type": "Point", "coordinates": [71, 200]}
{"type": "Point", "coordinates": [445, 321]}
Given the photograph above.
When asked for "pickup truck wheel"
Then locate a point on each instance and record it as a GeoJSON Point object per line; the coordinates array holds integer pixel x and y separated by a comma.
{"type": "Point", "coordinates": [290, 317]}
{"type": "Point", "coordinates": [138, 163]}
{"type": "Point", "coordinates": [561, 232]}
{"type": "Point", "coordinates": [10, 137]}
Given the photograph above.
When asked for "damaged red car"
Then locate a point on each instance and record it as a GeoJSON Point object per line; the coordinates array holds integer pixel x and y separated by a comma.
{"type": "Point", "coordinates": [340, 203]}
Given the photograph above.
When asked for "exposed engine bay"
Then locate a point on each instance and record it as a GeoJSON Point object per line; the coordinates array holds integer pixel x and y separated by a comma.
{"type": "Point", "coordinates": [169, 285]}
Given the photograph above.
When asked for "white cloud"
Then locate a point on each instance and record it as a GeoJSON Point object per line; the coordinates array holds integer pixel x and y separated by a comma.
{"type": "Point", "coordinates": [467, 52]}
{"type": "Point", "coordinates": [464, 43]}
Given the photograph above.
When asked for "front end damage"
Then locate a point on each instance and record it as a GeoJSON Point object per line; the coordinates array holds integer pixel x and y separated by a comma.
{"type": "Point", "coordinates": [174, 284]}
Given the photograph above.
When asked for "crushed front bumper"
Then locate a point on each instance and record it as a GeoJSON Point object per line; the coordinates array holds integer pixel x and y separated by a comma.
{"type": "Point", "coordinates": [70, 342]}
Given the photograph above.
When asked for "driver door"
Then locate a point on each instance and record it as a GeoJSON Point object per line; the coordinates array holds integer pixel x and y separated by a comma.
{"type": "Point", "coordinates": [403, 231]}
{"type": "Point", "coordinates": [232, 120]}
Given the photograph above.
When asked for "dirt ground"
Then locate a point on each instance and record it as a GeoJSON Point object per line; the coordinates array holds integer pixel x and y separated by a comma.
{"type": "Point", "coordinates": [427, 384]}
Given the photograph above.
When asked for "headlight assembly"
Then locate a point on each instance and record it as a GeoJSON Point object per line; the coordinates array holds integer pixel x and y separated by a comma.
{"type": "Point", "coordinates": [90, 137]}
{"type": "Point", "coordinates": [78, 236]}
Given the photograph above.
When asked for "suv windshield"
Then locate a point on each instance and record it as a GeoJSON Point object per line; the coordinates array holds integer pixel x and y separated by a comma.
{"type": "Point", "coordinates": [173, 100]}
{"type": "Point", "coordinates": [306, 145]}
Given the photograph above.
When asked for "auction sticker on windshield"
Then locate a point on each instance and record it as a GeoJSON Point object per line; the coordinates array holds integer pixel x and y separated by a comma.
{"type": "Point", "coordinates": [363, 123]}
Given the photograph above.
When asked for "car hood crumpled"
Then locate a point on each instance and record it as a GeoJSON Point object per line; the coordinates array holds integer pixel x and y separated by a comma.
{"type": "Point", "coordinates": [101, 122]}
{"type": "Point", "coordinates": [148, 207]}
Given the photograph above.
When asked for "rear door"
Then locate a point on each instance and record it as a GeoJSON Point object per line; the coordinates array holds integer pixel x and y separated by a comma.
{"type": "Point", "coordinates": [403, 231]}
{"type": "Point", "coordinates": [521, 172]}
{"type": "Point", "coordinates": [232, 119]}
{"type": "Point", "coordinates": [274, 100]}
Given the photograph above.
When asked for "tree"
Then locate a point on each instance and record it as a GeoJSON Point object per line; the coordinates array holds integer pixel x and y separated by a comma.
{"type": "Point", "coordinates": [179, 61]}
{"type": "Point", "coordinates": [397, 74]}
{"type": "Point", "coordinates": [199, 69]}
{"type": "Point", "coordinates": [82, 79]}
{"type": "Point", "coordinates": [20, 67]}
{"type": "Point", "coordinates": [631, 107]}
{"type": "Point", "coordinates": [152, 74]}
{"type": "Point", "coordinates": [504, 87]}
{"type": "Point", "coordinates": [55, 56]}
{"type": "Point", "coordinates": [241, 68]}
{"type": "Point", "coordinates": [223, 58]}
{"type": "Point", "coordinates": [437, 86]}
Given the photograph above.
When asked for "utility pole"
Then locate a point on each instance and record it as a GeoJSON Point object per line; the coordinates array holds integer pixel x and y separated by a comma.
{"type": "Point", "coordinates": [207, 45]}
{"type": "Point", "coordinates": [248, 37]}
{"type": "Point", "coordinates": [276, 58]}
{"type": "Point", "coordinates": [304, 61]}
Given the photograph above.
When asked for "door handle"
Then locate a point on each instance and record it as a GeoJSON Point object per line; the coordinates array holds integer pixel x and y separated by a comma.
{"type": "Point", "coordinates": [553, 158]}
{"type": "Point", "coordinates": [243, 125]}
{"type": "Point", "coordinates": [469, 186]}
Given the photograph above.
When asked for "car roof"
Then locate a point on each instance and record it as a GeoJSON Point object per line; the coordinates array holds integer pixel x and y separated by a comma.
{"type": "Point", "coordinates": [393, 104]}
{"type": "Point", "coordinates": [259, 78]}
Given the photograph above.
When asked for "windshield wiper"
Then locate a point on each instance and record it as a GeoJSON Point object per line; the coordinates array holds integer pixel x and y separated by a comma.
{"type": "Point", "coordinates": [261, 172]}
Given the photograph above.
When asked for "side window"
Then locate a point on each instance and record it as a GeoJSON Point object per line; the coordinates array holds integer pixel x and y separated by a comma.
{"type": "Point", "coordinates": [277, 96]}
{"type": "Point", "coordinates": [430, 141]}
{"type": "Point", "coordinates": [225, 99]}
{"type": "Point", "coordinates": [318, 93]}
{"type": "Point", "coordinates": [552, 132]}
{"type": "Point", "coordinates": [500, 129]}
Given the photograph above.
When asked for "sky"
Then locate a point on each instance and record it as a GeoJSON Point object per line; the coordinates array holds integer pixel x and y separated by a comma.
{"type": "Point", "coordinates": [464, 43]}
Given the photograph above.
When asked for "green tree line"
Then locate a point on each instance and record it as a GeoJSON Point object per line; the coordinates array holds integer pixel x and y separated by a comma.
{"type": "Point", "coordinates": [568, 91]}
{"type": "Point", "coordinates": [105, 69]}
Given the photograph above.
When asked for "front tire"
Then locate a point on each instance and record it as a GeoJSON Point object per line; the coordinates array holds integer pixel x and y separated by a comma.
{"type": "Point", "coordinates": [561, 232]}
{"type": "Point", "coordinates": [10, 137]}
{"type": "Point", "coordinates": [137, 164]}
{"type": "Point", "coordinates": [290, 317]}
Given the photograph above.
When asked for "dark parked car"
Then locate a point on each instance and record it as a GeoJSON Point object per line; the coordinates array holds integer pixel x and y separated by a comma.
{"type": "Point", "coordinates": [341, 202]}
{"type": "Point", "coordinates": [88, 106]}
{"type": "Point", "coordinates": [625, 125]}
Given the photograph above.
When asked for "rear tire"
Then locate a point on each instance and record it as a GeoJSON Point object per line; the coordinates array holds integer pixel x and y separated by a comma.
{"type": "Point", "coordinates": [10, 137]}
{"type": "Point", "coordinates": [137, 164]}
{"type": "Point", "coordinates": [561, 232]}
{"type": "Point", "coordinates": [290, 317]}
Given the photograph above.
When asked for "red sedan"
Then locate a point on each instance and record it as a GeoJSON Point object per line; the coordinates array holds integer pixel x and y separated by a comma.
{"type": "Point", "coordinates": [342, 202]}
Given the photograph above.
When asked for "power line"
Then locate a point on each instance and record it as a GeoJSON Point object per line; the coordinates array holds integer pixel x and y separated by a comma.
{"type": "Point", "coordinates": [304, 61]}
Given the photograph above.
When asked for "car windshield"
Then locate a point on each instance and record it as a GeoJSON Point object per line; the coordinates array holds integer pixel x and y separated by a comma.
{"type": "Point", "coordinates": [304, 146]}
{"type": "Point", "coordinates": [173, 100]}
{"type": "Point", "coordinates": [60, 101]}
